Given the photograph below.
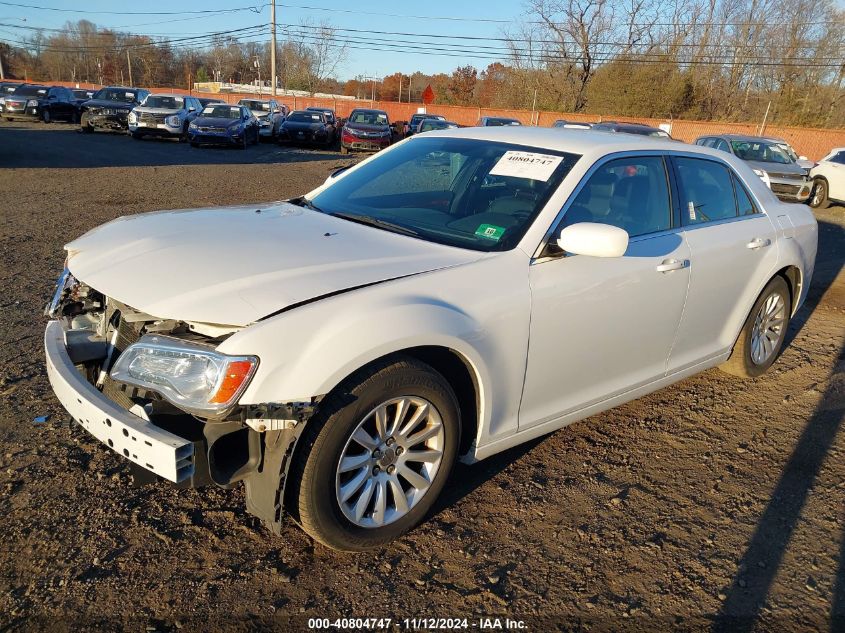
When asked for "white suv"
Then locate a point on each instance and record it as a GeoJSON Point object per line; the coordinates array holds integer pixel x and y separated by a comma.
{"type": "Point", "coordinates": [166, 115]}
{"type": "Point", "coordinates": [828, 178]}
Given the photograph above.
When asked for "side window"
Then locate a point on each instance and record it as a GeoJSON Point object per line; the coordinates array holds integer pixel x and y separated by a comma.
{"type": "Point", "coordinates": [743, 201]}
{"type": "Point", "coordinates": [706, 142]}
{"type": "Point", "coordinates": [722, 145]}
{"type": "Point", "coordinates": [839, 157]}
{"type": "Point", "coordinates": [631, 193]}
{"type": "Point", "coordinates": [707, 193]}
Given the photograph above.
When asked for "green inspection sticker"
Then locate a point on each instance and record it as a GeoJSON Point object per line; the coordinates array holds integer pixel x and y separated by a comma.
{"type": "Point", "coordinates": [490, 231]}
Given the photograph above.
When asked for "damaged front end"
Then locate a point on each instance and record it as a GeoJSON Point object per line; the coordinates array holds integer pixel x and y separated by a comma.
{"type": "Point", "coordinates": [159, 393]}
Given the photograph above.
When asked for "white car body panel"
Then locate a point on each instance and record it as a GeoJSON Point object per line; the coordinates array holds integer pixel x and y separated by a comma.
{"type": "Point", "coordinates": [834, 173]}
{"type": "Point", "coordinates": [236, 265]}
{"type": "Point", "coordinates": [379, 293]}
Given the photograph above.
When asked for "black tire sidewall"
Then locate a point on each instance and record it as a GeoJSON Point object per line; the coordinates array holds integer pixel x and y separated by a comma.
{"type": "Point", "coordinates": [777, 284]}
{"type": "Point", "coordinates": [325, 453]}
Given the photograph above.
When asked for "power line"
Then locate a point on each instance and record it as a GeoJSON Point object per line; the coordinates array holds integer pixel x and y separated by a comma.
{"type": "Point", "coordinates": [254, 9]}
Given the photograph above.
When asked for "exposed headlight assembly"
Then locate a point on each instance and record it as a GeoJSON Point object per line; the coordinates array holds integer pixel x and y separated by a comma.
{"type": "Point", "coordinates": [132, 117]}
{"type": "Point", "coordinates": [32, 103]}
{"type": "Point", "coordinates": [173, 121]}
{"type": "Point", "coordinates": [194, 377]}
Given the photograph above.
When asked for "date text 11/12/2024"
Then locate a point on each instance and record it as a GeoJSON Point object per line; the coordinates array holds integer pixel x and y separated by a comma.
{"type": "Point", "coordinates": [483, 623]}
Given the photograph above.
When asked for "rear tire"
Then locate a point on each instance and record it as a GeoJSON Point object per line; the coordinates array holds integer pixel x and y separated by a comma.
{"type": "Point", "coordinates": [316, 481]}
{"type": "Point", "coordinates": [761, 339]}
{"type": "Point", "coordinates": [819, 199]}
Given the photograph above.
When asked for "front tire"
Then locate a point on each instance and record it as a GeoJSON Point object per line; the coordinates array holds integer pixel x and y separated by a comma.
{"type": "Point", "coordinates": [819, 199]}
{"type": "Point", "coordinates": [763, 334]}
{"type": "Point", "coordinates": [373, 461]}
{"type": "Point", "coordinates": [45, 116]}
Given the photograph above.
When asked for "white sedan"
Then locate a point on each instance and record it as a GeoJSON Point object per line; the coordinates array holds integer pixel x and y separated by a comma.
{"type": "Point", "coordinates": [828, 178]}
{"type": "Point", "coordinates": [456, 295]}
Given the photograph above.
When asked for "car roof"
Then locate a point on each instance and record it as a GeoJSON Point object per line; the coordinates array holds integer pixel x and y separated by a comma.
{"type": "Point", "coordinates": [588, 143]}
{"type": "Point", "coordinates": [744, 137]}
{"type": "Point", "coordinates": [369, 110]}
{"type": "Point", "coordinates": [168, 94]}
{"type": "Point", "coordinates": [255, 99]}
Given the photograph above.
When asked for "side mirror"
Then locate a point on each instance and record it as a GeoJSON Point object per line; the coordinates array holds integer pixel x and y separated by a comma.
{"type": "Point", "coordinates": [593, 239]}
{"type": "Point", "coordinates": [192, 109]}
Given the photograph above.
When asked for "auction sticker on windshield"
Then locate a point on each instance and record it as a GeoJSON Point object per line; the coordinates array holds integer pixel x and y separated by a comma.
{"type": "Point", "coordinates": [526, 165]}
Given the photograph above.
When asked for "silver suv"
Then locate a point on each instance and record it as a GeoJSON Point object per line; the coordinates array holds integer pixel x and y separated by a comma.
{"type": "Point", "coordinates": [164, 115]}
{"type": "Point", "coordinates": [270, 114]}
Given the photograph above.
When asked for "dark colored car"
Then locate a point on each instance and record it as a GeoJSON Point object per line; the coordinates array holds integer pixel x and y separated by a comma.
{"type": "Point", "coordinates": [82, 94]}
{"type": "Point", "coordinates": [631, 128]}
{"type": "Point", "coordinates": [307, 126]}
{"type": "Point", "coordinates": [435, 124]}
{"type": "Point", "coordinates": [17, 104]}
{"type": "Point", "coordinates": [58, 104]}
{"type": "Point", "coordinates": [206, 101]}
{"type": "Point", "coordinates": [495, 121]}
{"type": "Point", "coordinates": [330, 115]}
{"type": "Point", "coordinates": [413, 126]}
{"type": "Point", "coordinates": [366, 129]}
{"type": "Point", "coordinates": [110, 108]}
{"type": "Point", "coordinates": [223, 124]}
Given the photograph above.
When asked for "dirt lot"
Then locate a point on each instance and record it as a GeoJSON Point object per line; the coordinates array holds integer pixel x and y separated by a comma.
{"type": "Point", "coordinates": [715, 497]}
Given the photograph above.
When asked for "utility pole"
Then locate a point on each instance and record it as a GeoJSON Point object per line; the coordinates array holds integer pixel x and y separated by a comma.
{"type": "Point", "coordinates": [257, 65]}
{"type": "Point", "coordinates": [2, 76]}
{"type": "Point", "coordinates": [273, 44]}
{"type": "Point", "coordinates": [400, 87]}
{"type": "Point", "coordinates": [129, 62]}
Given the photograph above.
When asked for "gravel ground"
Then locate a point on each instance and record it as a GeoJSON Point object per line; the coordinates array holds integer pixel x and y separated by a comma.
{"type": "Point", "coordinates": [714, 497]}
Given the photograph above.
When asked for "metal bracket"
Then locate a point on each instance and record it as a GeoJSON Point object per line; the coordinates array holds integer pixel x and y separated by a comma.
{"type": "Point", "coordinates": [277, 416]}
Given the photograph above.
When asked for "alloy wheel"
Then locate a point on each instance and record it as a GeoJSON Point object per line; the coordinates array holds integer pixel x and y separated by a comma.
{"type": "Point", "coordinates": [389, 461]}
{"type": "Point", "coordinates": [768, 328]}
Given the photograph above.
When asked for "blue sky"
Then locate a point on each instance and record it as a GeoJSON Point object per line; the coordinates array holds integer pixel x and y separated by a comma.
{"type": "Point", "coordinates": [365, 15]}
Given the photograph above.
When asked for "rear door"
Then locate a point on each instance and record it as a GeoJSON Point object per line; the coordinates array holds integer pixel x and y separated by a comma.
{"type": "Point", "coordinates": [733, 251]}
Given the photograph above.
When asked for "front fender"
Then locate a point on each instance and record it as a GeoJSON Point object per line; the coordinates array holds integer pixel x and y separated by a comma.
{"type": "Point", "coordinates": [309, 350]}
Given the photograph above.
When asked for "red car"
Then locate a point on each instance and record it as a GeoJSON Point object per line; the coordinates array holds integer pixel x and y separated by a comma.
{"type": "Point", "coordinates": [366, 130]}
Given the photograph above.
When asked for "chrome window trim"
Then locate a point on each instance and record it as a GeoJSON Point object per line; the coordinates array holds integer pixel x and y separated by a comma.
{"type": "Point", "coordinates": [665, 154]}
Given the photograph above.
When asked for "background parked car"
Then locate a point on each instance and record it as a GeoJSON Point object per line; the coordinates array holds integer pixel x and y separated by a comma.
{"type": "Point", "coordinates": [331, 117]}
{"type": "Point", "coordinates": [307, 126]}
{"type": "Point", "coordinates": [6, 88]}
{"type": "Point", "coordinates": [109, 108]}
{"type": "Point", "coordinates": [785, 178]}
{"type": "Point", "coordinates": [487, 121]}
{"type": "Point", "coordinates": [828, 178]}
{"type": "Point", "coordinates": [366, 129]}
{"type": "Point", "coordinates": [426, 125]}
{"type": "Point", "coordinates": [572, 125]}
{"type": "Point", "coordinates": [801, 161]}
{"type": "Point", "coordinates": [205, 101]}
{"type": "Point", "coordinates": [59, 104]}
{"type": "Point", "coordinates": [224, 124]}
{"type": "Point", "coordinates": [165, 115]}
{"type": "Point", "coordinates": [630, 128]}
{"type": "Point", "coordinates": [413, 126]}
{"type": "Point", "coordinates": [24, 97]}
{"type": "Point", "coordinates": [269, 113]}
{"type": "Point", "coordinates": [82, 94]}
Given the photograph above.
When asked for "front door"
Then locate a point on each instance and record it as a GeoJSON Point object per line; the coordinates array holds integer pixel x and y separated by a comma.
{"type": "Point", "coordinates": [603, 326]}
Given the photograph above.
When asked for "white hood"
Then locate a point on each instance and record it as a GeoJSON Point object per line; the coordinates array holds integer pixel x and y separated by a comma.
{"type": "Point", "coordinates": [232, 266]}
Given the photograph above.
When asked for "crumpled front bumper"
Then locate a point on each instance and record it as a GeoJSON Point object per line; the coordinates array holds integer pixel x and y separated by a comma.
{"type": "Point", "coordinates": [138, 440]}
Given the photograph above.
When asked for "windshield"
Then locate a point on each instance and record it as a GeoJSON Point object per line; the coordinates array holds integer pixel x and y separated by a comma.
{"type": "Point", "coordinates": [368, 118]}
{"type": "Point", "coordinates": [459, 192]}
{"type": "Point", "coordinates": [256, 105]}
{"type": "Point", "coordinates": [31, 91]}
{"type": "Point", "coordinates": [788, 151]}
{"type": "Point", "coordinates": [164, 101]}
{"type": "Point", "coordinates": [115, 94]}
{"type": "Point", "coordinates": [222, 112]}
{"type": "Point", "coordinates": [435, 124]}
{"type": "Point", "coordinates": [762, 152]}
{"type": "Point", "coordinates": [305, 117]}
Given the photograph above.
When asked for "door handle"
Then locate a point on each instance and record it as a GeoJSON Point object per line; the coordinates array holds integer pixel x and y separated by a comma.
{"type": "Point", "coordinates": [758, 242]}
{"type": "Point", "coordinates": [668, 265]}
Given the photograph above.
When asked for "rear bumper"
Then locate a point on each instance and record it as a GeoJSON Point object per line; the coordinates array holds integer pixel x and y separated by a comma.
{"type": "Point", "coordinates": [138, 440]}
